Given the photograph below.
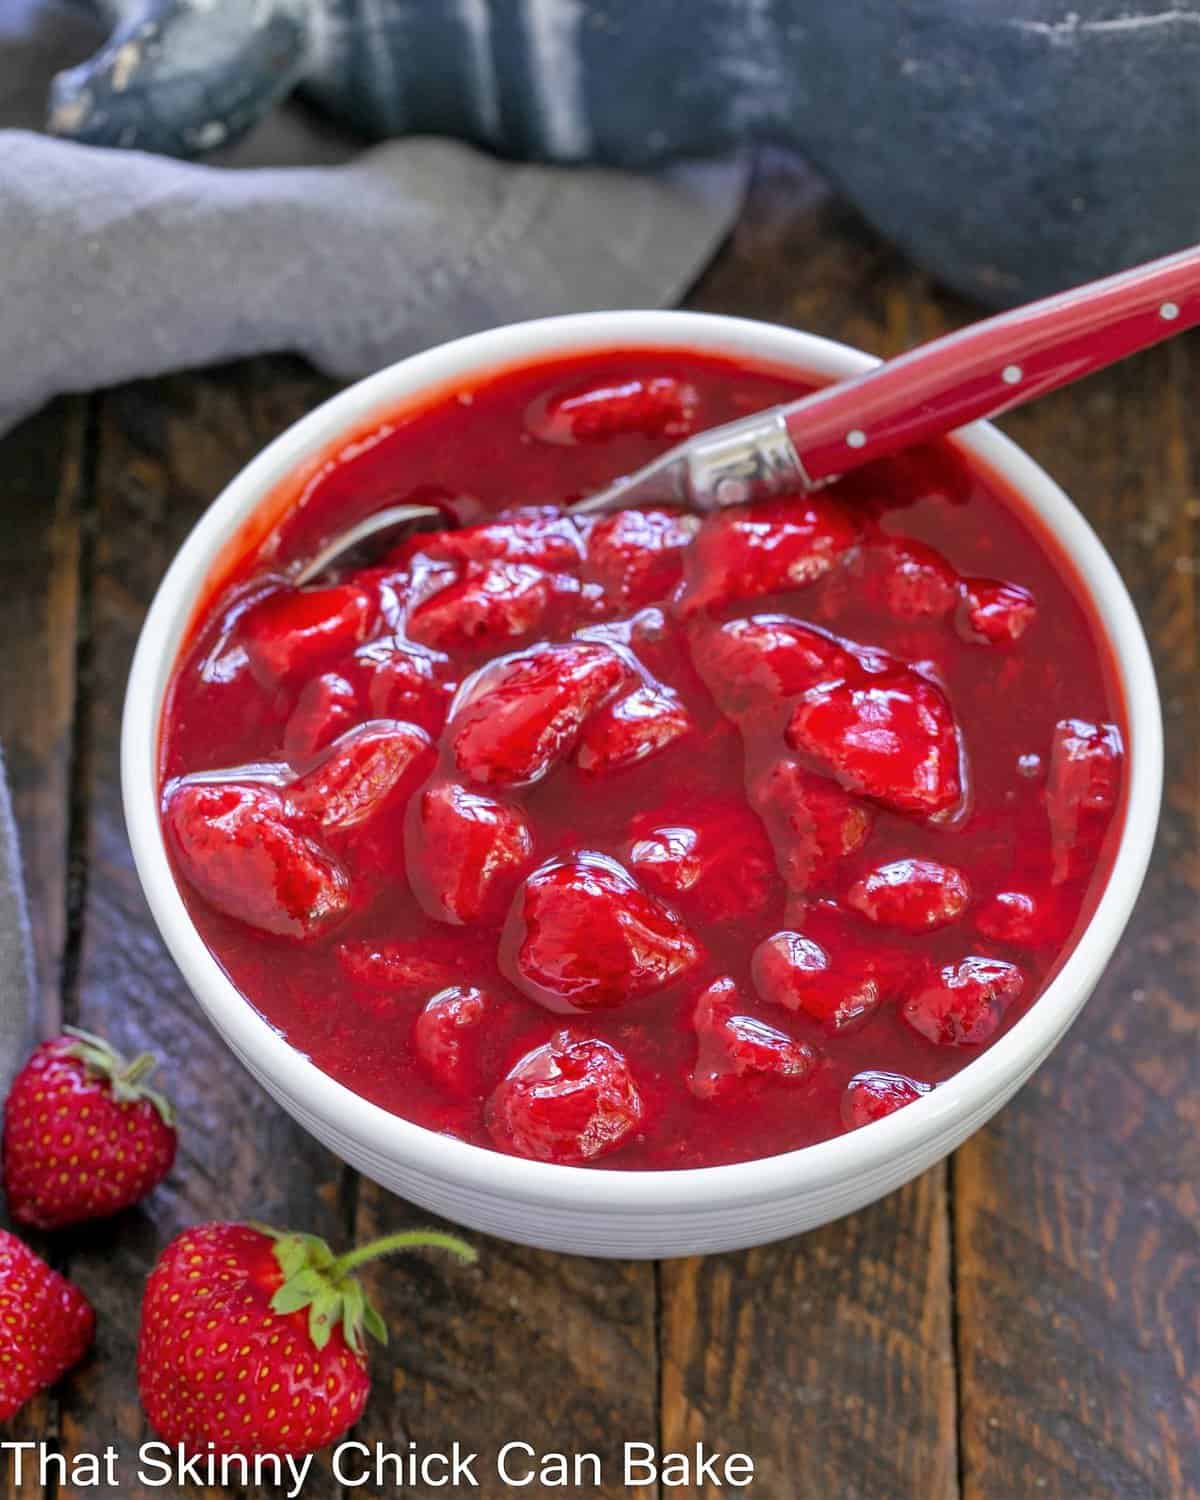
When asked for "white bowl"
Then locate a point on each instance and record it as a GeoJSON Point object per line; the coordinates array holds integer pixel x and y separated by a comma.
{"type": "Point", "coordinates": [590, 1211]}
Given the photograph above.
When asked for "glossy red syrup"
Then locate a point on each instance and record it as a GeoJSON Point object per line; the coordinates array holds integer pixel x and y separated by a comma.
{"type": "Point", "coordinates": [641, 842]}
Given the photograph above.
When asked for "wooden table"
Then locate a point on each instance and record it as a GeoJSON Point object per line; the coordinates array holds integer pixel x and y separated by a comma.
{"type": "Point", "coordinates": [1021, 1322]}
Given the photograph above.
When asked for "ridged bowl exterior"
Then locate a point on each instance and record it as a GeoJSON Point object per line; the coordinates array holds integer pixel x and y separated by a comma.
{"type": "Point", "coordinates": [596, 1211]}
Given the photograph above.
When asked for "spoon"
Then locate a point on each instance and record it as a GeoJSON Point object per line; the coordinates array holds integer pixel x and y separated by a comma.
{"type": "Point", "coordinates": [981, 371]}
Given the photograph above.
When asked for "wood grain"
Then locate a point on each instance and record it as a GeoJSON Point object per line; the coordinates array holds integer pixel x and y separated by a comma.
{"type": "Point", "coordinates": [1077, 1210]}
{"type": "Point", "coordinates": [551, 1350]}
{"type": "Point", "coordinates": [827, 1358]}
{"type": "Point", "coordinates": [42, 464]}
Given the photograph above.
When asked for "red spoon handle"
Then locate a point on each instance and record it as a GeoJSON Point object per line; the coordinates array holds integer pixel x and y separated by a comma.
{"type": "Point", "coordinates": [992, 366]}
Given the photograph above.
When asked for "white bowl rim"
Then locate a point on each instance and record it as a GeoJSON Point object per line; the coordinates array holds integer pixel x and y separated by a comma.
{"type": "Point", "coordinates": [477, 1168]}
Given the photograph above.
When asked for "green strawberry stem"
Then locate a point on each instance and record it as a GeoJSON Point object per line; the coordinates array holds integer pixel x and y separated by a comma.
{"type": "Point", "coordinates": [124, 1078]}
{"type": "Point", "coordinates": [316, 1281]}
{"type": "Point", "coordinates": [142, 1065]}
{"type": "Point", "coordinates": [409, 1239]}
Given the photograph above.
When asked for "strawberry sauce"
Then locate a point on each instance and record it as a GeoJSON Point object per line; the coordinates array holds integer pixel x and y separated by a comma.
{"type": "Point", "coordinates": [641, 841]}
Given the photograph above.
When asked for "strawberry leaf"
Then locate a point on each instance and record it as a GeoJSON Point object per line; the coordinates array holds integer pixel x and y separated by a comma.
{"type": "Point", "coordinates": [301, 1290]}
{"type": "Point", "coordinates": [373, 1323]}
{"type": "Point", "coordinates": [312, 1279]}
{"type": "Point", "coordinates": [323, 1315]}
{"type": "Point", "coordinates": [124, 1079]}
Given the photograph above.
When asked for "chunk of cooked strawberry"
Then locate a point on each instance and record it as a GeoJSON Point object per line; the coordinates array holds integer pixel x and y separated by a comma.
{"type": "Point", "coordinates": [812, 822]}
{"type": "Point", "coordinates": [734, 1050]}
{"type": "Point", "coordinates": [904, 579]}
{"type": "Point", "coordinates": [297, 633]}
{"type": "Point", "coordinates": [769, 548]}
{"type": "Point", "coordinates": [326, 707]}
{"type": "Point", "coordinates": [1082, 789]}
{"type": "Point", "coordinates": [502, 601]}
{"type": "Point", "coordinates": [570, 1101]}
{"type": "Point", "coordinates": [523, 714]}
{"type": "Point", "coordinates": [712, 860]}
{"type": "Point", "coordinates": [650, 406]}
{"type": "Point", "coordinates": [465, 853]}
{"type": "Point", "coordinates": [631, 728]}
{"type": "Point", "coordinates": [237, 846]}
{"type": "Point", "coordinates": [994, 612]}
{"type": "Point", "coordinates": [401, 680]}
{"type": "Point", "coordinates": [400, 971]}
{"type": "Point", "coordinates": [637, 555]}
{"type": "Point", "coordinates": [858, 953]}
{"type": "Point", "coordinates": [871, 1096]}
{"type": "Point", "coordinates": [965, 1003]}
{"type": "Point", "coordinates": [371, 770]}
{"type": "Point", "coordinates": [541, 536]}
{"type": "Point", "coordinates": [788, 967]}
{"type": "Point", "coordinates": [915, 895]}
{"type": "Point", "coordinates": [446, 1037]}
{"type": "Point", "coordinates": [583, 935]}
{"type": "Point", "coordinates": [795, 972]}
{"type": "Point", "coordinates": [1022, 918]}
{"type": "Point", "coordinates": [755, 667]}
{"type": "Point", "coordinates": [889, 736]}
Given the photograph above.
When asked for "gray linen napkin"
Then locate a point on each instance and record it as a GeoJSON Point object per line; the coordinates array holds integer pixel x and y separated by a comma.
{"type": "Point", "coordinates": [118, 264]}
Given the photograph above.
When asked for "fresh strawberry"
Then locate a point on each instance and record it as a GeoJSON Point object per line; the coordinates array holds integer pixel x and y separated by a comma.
{"type": "Point", "coordinates": [813, 822]}
{"type": "Point", "coordinates": [237, 847]}
{"type": "Point", "coordinates": [770, 548]}
{"type": "Point", "coordinates": [568, 1102]}
{"type": "Point", "coordinates": [965, 1003]}
{"type": "Point", "coordinates": [46, 1325]}
{"type": "Point", "coordinates": [583, 936]}
{"type": "Point", "coordinates": [631, 728]}
{"type": "Point", "coordinates": [326, 707]}
{"type": "Point", "coordinates": [296, 633]}
{"type": "Point", "coordinates": [735, 1050]}
{"type": "Point", "coordinates": [523, 715]}
{"type": "Point", "coordinates": [254, 1342]}
{"type": "Point", "coordinates": [84, 1137]}
{"type": "Point", "coordinates": [654, 406]}
{"type": "Point", "coordinates": [995, 612]}
{"type": "Point", "coordinates": [637, 555]}
{"type": "Point", "coordinates": [886, 735]}
{"type": "Point", "coordinates": [465, 852]}
{"type": "Point", "coordinates": [915, 895]}
{"type": "Point", "coordinates": [446, 1037]}
{"type": "Point", "coordinates": [871, 1096]}
{"type": "Point", "coordinates": [1081, 790]}
{"type": "Point", "coordinates": [369, 771]}
{"type": "Point", "coordinates": [711, 859]}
